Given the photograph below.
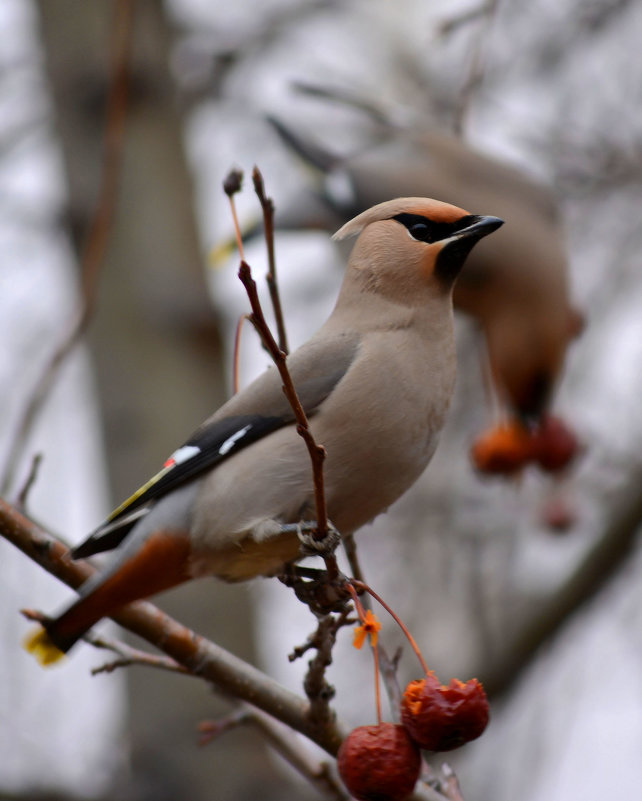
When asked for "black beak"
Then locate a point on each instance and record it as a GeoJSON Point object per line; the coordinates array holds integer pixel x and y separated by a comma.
{"type": "Point", "coordinates": [481, 226]}
{"type": "Point", "coordinates": [453, 255]}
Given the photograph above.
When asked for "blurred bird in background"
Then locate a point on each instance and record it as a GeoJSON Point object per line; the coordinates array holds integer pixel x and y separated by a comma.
{"type": "Point", "coordinates": [514, 285]}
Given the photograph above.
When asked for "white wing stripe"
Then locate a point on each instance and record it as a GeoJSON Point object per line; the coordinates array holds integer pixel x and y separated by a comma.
{"type": "Point", "coordinates": [183, 454]}
{"type": "Point", "coordinates": [231, 441]}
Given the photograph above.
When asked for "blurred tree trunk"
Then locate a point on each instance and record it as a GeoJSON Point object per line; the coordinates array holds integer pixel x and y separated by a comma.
{"type": "Point", "coordinates": [155, 347]}
{"type": "Point", "coordinates": [154, 338]}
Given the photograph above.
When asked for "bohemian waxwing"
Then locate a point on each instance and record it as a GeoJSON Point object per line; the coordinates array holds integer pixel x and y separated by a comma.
{"type": "Point", "coordinates": [515, 284]}
{"type": "Point", "coordinates": [375, 380]}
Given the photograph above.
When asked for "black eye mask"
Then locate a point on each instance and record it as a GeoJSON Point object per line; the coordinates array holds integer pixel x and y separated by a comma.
{"type": "Point", "coordinates": [424, 229]}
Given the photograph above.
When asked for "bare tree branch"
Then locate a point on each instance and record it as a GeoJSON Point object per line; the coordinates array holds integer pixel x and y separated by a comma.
{"type": "Point", "coordinates": [315, 684]}
{"type": "Point", "coordinates": [284, 743]}
{"type": "Point", "coordinates": [598, 566]}
{"type": "Point", "coordinates": [197, 655]}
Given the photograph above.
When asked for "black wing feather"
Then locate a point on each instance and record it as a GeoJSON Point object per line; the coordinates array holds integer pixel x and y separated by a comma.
{"type": "Point", "coordinates": [210, 442]}
{"type": "Point", "coordinates": [215, 441]}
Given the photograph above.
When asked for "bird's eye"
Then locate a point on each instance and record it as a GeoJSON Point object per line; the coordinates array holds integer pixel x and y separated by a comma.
{"type": "Point", "coordinates": [420, 231]}
{"type": "Point", "coordinates": [419, 227]}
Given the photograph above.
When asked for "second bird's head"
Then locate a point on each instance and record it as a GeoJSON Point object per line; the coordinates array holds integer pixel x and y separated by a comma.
{"type": "Point", "coordinates": [413, 242]}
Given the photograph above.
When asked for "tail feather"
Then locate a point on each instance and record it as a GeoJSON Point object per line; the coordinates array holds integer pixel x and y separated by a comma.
{"type": "Point", "coordinates": [108, 536]}
{"type": "Point", "coordinates": [40, 644]}
{"type": "Point", "coordinates": [161, 563]}
{"type": "Point", "coordinates": [54, 637]}
{"type": "Point", "coordinates": [311, 153]}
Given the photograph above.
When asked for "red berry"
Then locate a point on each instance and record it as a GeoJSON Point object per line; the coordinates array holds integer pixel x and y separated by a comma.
{"type": "Point", "coordinates": [503, 450]}
{"type": "Point", "coordinates": [559, 515]}
{"type": "Point", "coordinates": [554, 444]}
{"type": "Point", "coordinates": [379, 763]}
{"type": "Point", "coordinates": [441, 718]}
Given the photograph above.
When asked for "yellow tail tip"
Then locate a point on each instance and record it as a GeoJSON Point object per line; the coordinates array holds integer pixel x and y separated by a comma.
{"type": "Point", "coordinates": [40, 645]}
{"type": "Point", "coordinates": [220, 254]}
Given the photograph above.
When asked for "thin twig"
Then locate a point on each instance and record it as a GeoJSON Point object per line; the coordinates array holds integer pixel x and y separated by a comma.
{"type": "Point", "coordinates": [344, 619]}
{"type": "Point", "coordinates": [317, 452]}
{"type": "Point", "coordinates": [453, 24]}
{"type": "Point", "coordinates": [389, 668]}
{"type": "Point", "coordinates": [375, 653]}
{"type": "Point", "coordinates": [267, 206]}
{"type": "Point", "coordinates": [284, 743]}
{"type": "Point", "coordinates": [476, 69]}
{"type": "Point", "coordinates": [425, 789]}
{"type": "Point", "coordinates": [315, 684]}
{"type": "Point", "coordinates": [210, 730]}
{"type": "Point", "coordinates": [342, 96]}
{"type": "Point", "coordinates": [350, 547]}
{"type": "Point", "coordinates": [236, 382]}
{"type": "Point", "coordinates": [290, 748]}
{"type": "Point", "coordinates": [450, 784]}
{"type": "Point", "coordinates": [231, 186]}
{"type": "Point", "coordinates": [23, 494]}
{"type": "Point", "coordinates": [94, 251]}
{"type": "Point", "coordinates": [129, 656]}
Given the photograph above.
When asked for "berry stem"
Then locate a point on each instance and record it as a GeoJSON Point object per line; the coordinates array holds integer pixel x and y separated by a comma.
{"type": "Point", "coordinates": [375, 648]}
{"type": "Point", "coordinates": [375, 651]}
{"type": "Point", "coordinates": [237, 228]}
{"type": "Point", "coordinates": [357, 602]}
{"type": "Point", "coordinates": [396, 618]}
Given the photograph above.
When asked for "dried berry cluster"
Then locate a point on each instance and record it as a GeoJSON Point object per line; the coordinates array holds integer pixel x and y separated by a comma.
{"type": "Point", "coordinates": [508, 448]}
{"type": "Point", "coordinates": [382, 762]}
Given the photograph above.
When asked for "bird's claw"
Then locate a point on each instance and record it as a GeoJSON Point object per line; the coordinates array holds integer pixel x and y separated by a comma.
{"type": "Point", "coordinates": [312, 544]}
{"type": "Point", "coordinates": [313, 588]}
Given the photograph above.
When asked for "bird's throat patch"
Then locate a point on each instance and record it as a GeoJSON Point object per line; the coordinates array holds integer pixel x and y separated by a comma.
{"type": "Point", "coordinates": [451, 259]}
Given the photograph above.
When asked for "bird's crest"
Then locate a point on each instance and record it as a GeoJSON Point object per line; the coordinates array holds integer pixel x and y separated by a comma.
{"type": "Point", "coordinates": [426, 207]}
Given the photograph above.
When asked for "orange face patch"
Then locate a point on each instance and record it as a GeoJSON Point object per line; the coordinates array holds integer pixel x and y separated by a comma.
{"type": "Point", "coordinates": [436, 211]}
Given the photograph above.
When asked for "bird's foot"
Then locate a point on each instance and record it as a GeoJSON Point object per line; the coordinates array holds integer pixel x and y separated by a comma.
{"type": "Point", "coordinates": [313, 588]}
{"type": "Point", "coordinates": [311, 543]}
